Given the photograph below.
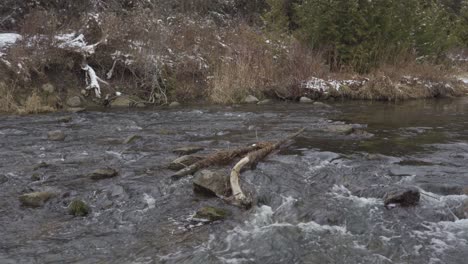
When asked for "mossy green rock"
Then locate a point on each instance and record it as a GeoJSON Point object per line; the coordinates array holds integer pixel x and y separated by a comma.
{"type": "Point", "coordinates": [35, 199]}
{"type": "Point", "coordinates": [211, 213]}
{"type": "Point", "coordinates": [78, 208]}
{"type": "Point", "coordinates": [104, 173]}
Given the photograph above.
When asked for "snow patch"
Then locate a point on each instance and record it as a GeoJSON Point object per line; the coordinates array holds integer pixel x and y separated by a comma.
{"type": "Point", "coordinates": [324, 86]}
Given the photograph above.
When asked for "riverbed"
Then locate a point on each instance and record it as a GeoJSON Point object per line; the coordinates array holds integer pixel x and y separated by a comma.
{"type": "Point", "coordinates": [307, 205]}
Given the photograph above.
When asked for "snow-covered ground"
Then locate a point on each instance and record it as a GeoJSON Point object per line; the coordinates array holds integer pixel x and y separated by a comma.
{"type": "Point", "coordinates": [323, 86]}
{"type": "Point", "coordinates": [7, 39]}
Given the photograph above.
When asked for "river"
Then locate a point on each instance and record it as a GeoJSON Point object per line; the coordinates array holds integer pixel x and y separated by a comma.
{"type": "Point", "coordinates": [307, 208]}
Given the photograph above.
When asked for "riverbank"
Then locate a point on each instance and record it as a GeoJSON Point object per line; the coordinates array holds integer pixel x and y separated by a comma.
{"type": "Point", "coordinates": [209, 57]}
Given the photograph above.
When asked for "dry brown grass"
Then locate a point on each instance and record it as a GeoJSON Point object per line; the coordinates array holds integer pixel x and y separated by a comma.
{"type": "Point", "coordinates": [254, 64]}
{"type": "Point", "coordinates": [35, 105]}
{"type": "Point", "coordinates": [7, 100]}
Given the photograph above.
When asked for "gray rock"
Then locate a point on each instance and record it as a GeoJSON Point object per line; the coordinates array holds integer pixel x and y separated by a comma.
{"type": "Point", "coordinates": [64, 119]}
{"type": "Point", "coordinates": [250, 99]}
{"type": "Point", "coordinates": [215, 183]}
{"type": "Point", "coordinates": [264, 102]}
{"type": "Point", "coordinates": [74, 101]}
{"type": "Point", "coordinates": [184, 161]}
{"type": "Point", "coordinates": [56, 135]}
{"type": "Point", "coordinates": [40, 165]}
{"type": "Point", "coordinates": [121, 101]}
{"type": "Point", "coordinates": [174, 104]}
{"type": "Point", "coordinates": [104, 173]}
{"type": "Point", "coordinates": [187, 150]}
{"type": "Point", "coordinates": [340, 129]}
{"type": "Point", "coordinates": [361, 133]}
{"type": "Point", "coordinates": [320, 104]}
{"type": "Point", "coordinates": [76, 109]}
{"type": "Point", "coordinates": [3, 179]}
{"type": "Point", "coordinates": [35, 177]}
{"type": "Point", "coordinates": [48, 88]}
{"type": "Point", "coordinates": [131, 138]}
{"type": "Point", "coordinates": [305, 100]}
{"type": "Point", "coordinates": [405, 196]}
{"type": "Point", "coordinates": [35, 199]}
{"type": "Point", "coordinates": [210, 214]}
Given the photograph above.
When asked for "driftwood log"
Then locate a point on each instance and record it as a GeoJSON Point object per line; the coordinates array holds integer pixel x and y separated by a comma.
{"type": "Point", "coordinates": [219, 158]}
{"type": "Point", "coordinates": [250, 155]}
{"type": "Point", "coordinates": [251, 159]}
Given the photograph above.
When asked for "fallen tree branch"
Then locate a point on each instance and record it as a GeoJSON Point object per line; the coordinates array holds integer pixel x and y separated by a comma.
{"type": "Point", "coordinates": [219, 158]}
{"type": "Point", "coordinates": [252, 158]}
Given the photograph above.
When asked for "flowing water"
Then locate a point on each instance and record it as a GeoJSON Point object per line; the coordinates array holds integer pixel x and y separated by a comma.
{"type": "Point", "coordinates": [311, 199]}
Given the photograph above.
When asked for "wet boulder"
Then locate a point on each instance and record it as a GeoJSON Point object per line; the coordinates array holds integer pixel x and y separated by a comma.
{"type": "Point", "coordinates": [3, 179]}
{"type": "Point", "coordinates": [250, 99]}
{"type": "Point", "coordinates": [322, 105]}
{"type": "Point", "coordinates": [210, 214]}
{"type": "Point", "coordinates": [305, 100]}
{"type": "Point", "coordinates": [35, 199]}
{"type": "Point", "coordinates": [213, 183]}
{"type": "Point", "coordinates": [64, 119]}
{"type": "Point", "coordinates": [184, 161]}
{"type": "Point", "coordinates": [408, 196]}
{"type": "Point", "coordinates": [56, 135]}
{"type": "Point", "coordinates": [340, 129]}
{"type": "Point", "coordinates": [40, 165]}
{"type": "Point", "coordinates": [187, 150]}
{"type": "Point", "coordinates": [78, 208]}
{"type": "Point", "coordinates": [103, 173]}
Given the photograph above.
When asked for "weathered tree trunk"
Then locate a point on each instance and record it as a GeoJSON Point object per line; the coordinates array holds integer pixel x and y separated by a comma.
{"type": "Point", "coordinates": [219, 158]}
{"type": "Point", "coordinates": [251, 159]}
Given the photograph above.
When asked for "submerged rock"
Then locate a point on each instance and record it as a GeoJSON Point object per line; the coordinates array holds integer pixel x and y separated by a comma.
{"type": "Point", "coordinates": [405, 196]}
{"type": "Point", "coordinates": [74, 101]}
{"type": "Point", "coordinates": [211, 214]}
{"type": "Point", "coordinates": [320, 104]}
{"type": "Point", "coordinates": [103, 173]}
{"type": "Point", "coordinates": [40, 165]}
{"type": "Point", "coordinates": [214, 183]}
{"type": "Point", "coordinates": [184, 161]}
{"type": "Point", "coordinates": [35, 177]}
{"type": "Point", "coordinates": [56, 135]}
{"type": "Point", "coordinates": [35, 199]}
{"type": "Point", "coordinates": [340, 129]}
{"type": "Point", "coordinates": [3, 179]}
{"type": "Point", "coordinates": [305, 100]}
{"type": "Point", "coordinates": [187, 150]}
{"type": "Point", "coordinates": [78, 208]}
{"type": "Point", "coordinates": [131, 138]}
{"type": "Point", "coordinates": [64, 119]}
{"type": "Point", "coordinates": [250, 99]}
